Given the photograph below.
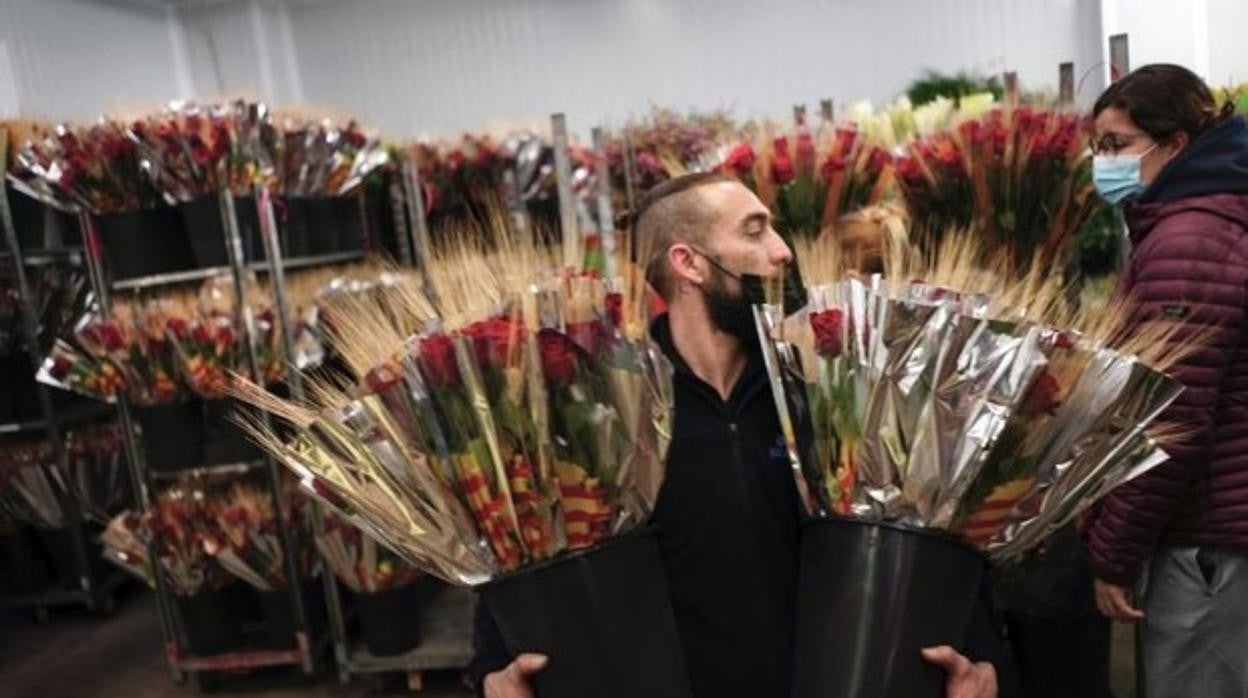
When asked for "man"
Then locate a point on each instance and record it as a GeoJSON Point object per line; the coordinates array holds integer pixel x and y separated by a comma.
{"type": "Point", "coordinates": [728, 516]}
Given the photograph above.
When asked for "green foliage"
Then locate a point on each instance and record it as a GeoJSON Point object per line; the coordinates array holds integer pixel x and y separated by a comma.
{"type": "Point", "coordinates": [934, 84]}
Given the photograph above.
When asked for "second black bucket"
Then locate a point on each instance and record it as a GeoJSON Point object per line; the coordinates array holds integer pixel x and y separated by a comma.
{"type": "Point", "coordinates": [870, 596]}
{"type": "Point", "coordinates": [602, 616]}
{"type": "Point", "coordinates": [390, 620]}
{"type": "Point", "coordinates": [208, 623]}
{"type": "Point", "coordinates": [173, 435]}
{"type": "Point", "coordinates": [279, 614]}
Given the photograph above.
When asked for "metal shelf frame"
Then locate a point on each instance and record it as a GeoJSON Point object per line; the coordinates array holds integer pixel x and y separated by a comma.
{"type": "Point", "coordinates": [91, 592]}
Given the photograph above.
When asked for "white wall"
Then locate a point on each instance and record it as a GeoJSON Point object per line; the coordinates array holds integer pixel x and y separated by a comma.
{"type": "Point", "coordinates": [76, 59]}
{"type": "Point", "coordinates": [448, 65]}
{"type": "Point", "coordinates": [241, 49]}
{"type": "Point", "coordinates": [1228, 42]}
{"type": "Point", "coordinates": [418, 66]}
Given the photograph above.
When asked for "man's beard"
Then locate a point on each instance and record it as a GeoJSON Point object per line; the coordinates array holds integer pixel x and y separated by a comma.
{"type": "Point", "coordinates": [731, 312]}
{"type": "Point", "coordinates": [730, 298]}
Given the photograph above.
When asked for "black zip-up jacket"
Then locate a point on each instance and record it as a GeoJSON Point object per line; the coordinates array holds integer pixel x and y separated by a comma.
{"type": "Point", "coordinates": [727, 521]}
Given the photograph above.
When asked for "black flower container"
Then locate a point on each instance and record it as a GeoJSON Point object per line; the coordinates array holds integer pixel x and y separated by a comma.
{"type": "Point", "coordinates": [604, 618]}
{"type": "Point", "coordinates": [141, 243]}
{"type": "Point", "coordinates": [208, 622]}
{"type": "Point", "coordinates": [173, 435]}
{"type": "Point", "coordinates": [870, 596]}
{"type": "Point", "coordinates": [390, 620]}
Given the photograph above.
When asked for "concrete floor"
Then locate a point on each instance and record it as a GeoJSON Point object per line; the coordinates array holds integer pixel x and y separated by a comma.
{"type": "Point", "coordinates": [79, 655]}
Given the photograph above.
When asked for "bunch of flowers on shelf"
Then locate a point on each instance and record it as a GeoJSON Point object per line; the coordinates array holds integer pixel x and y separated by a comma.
{"type": "Point", "coordinates": [36, 490]}
{"type": "Point", "coordinates": [244, 536]}
{"type": "Point", "coordinates": [461, 175]}
{"type": "Point", "coordinates": [32, 490]}
{"type": "Point", "coordinates": [180, 526]}
{"type": "Point", "coordinates": [316, 158]}
{"type": "Point", "coordinates": [171, 345]}
{"type": "Point", "coordinates": [897, 124]}
{"type": "Point", "coordinates": [191, 151]}
{"type": "Point", "coordinates": [666, 143]}
{"type": "Point", "coordinates": [97, 168]}
{"type": "Point", "coordinates": [124, 542]}
{"type": "Point", "coordinates": [810, 179]}
{"type": "Point", "coordinates": [516, 414]}
{"type": "Point", "coordinates": [95, 469]}
{"type": "Point", "coordinates": [944, 395]}
{"type": "Point", "coordinates": [1018, 177]}
{"type": "Point", "coordinates": [359, 561]}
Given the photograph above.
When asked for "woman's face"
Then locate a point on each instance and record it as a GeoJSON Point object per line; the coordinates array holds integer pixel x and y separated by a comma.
{"type": "Point", "coordinates": [1117, 134]}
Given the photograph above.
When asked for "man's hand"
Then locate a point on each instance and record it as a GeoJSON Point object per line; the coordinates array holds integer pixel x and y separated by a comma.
{"type": "Point", "coordinates": [1115, 602]}
{"type": "Point", "coordinates": [513, 682]}
{"type": "Point", "coordinates": [965, 680]}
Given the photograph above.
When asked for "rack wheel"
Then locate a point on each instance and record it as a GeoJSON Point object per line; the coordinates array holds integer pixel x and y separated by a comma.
{"type": "Point", "coordinates": [415, 681]}
{"type": "Point", "coordinates": [108, 605]}
{"type": "Point", "coordinates": [42, 615]}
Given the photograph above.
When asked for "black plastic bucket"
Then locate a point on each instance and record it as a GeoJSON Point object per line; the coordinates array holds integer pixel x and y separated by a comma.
{"type": "Point", "coordinates": [279, 615]}
{"type": "Point", "coordinates": [390, 620]}
{"type": "Point", "coordinates": [173, 435]}
{"type": "Point", "coordinates": [870, 596]}
{"type": "Point", "coordinates": [140, 243]}
{"type": "Point", "coordinates": [22, 570]}
{"type": "Point", "coordinates": [62, 550]}
{"type": "Point", "coordinates": [202, 221]}
{"type": "Point", "coordinates": [224, 440]}
{"type": "Point", "coordinates": [603, 617]}
{"type": "Point", "coordinates": [209, 625]}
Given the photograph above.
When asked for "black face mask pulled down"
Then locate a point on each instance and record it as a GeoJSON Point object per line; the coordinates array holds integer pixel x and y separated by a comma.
{"type": "Point", "coordinates": [734, 313]}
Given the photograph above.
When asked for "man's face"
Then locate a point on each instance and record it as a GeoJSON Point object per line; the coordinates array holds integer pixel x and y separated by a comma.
{"type": "Point", "coordinates": [739, 236]}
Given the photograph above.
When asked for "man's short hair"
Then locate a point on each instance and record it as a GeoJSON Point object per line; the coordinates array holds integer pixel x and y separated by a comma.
{"type": "Point", "coordinates": [672, 212]}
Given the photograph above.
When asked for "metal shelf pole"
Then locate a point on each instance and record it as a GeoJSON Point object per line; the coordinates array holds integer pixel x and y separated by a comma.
{"type": "Point", "coordinates": [134, 451]}
{"type": "Point", "coordinates": [243, 315]}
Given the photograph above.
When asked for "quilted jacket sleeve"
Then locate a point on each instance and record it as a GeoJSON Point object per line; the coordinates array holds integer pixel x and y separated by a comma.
{"type": "Point", "coordinates": [1190, 266]}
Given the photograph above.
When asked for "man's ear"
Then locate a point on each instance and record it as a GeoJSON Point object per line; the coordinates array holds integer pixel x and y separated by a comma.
{"type": "Point", "coordinates": [686, 265]}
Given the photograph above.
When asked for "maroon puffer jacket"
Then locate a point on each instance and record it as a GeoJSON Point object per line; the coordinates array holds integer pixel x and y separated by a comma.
{"type": "Point", "coordinates": [1191, 261]}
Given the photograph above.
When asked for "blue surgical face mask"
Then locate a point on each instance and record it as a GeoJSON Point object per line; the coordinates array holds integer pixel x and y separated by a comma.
{"type": "Point", "coordinates": [1117, 177]}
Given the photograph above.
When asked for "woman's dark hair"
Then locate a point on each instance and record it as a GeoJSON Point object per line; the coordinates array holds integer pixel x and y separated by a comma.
{"type": "Point", "coordinates": [1163, 100]}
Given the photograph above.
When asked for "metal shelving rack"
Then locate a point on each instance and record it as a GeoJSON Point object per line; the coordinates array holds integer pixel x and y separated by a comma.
{"type": "Point", "coordinates": [180, 661]}
{"type": "Point", "coordinates": [95, 594]}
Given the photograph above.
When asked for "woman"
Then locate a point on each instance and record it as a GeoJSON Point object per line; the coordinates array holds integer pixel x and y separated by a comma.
{"type": "Point", "coordinates": [1178, 165]}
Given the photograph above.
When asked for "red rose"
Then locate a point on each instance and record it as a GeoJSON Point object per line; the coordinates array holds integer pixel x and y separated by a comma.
{"type": "Point", "coordinates": [805, 151]}
{"type": "Point", "coordinates": [437, 358]}
{"type": "Point", "coordinates": [782, 171]}
{"type": "Point", "coordinates": [833, 165]}
{"type": "Point", "coordinates": [110, 337]}
{"type": "Point", "coordinates": [740, 160]}
{"type": "Point", "coordinates": [200, 334]}
{"type": "Point", "coordinates": [225, 337]}
{"type": "Point", "coordinates": [909, 170]}
{"type": "Point", "coordinates": [1042, 397]}
{"type": "Point", "coordinates": [878, 160]}
{"type": "Point", "coordinates": [177, 326]}
{"type": "Point", "coordinates": [615, 308]}
{"type": "Point", "coordinates": [493, 340]}
{"type": "Point", "coordinates": [558, 357]}
{"type": "Point", "coordinates": [828, 328]}
{"type": "Point", "coordinates": [60, 366]}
